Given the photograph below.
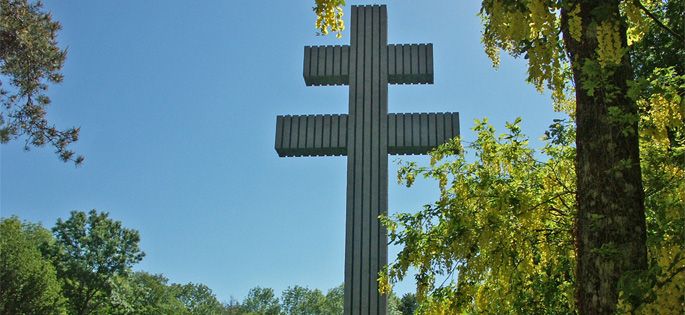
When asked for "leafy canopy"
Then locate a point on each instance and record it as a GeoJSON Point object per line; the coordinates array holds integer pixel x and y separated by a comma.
{"type": "Point", "coordinates": [499, 238]}
{"type": "Point", "coordinates": [28, 281]}
{"type": "Point", "coordinates": [90, 252]}
{"type": "Point", "coordinates": [261, 301]}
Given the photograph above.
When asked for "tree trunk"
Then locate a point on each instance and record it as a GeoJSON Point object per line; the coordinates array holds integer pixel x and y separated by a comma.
{"type": "Point", "coordinates": [610, 231]}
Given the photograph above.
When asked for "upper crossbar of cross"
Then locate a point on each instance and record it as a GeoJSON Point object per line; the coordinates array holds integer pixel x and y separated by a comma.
{"type": "Point", "coordinates": [326, 135]}
{"type": "Point", "coordinates": [407, 64]}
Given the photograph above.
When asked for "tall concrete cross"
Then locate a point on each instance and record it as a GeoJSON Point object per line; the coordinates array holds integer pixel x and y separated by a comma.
{"type": "Point", "coordinates": [366, 135]}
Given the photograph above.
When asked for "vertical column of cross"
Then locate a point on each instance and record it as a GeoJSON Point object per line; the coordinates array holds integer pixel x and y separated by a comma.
{"type": "Point", "coordinates": [367, 178]}
{"type": "Point", "coordinates": [352, 261]}
{"type": "Point", "coordinates": [381, 244]}
{"type": "Point", "coordinates": [382, 235]}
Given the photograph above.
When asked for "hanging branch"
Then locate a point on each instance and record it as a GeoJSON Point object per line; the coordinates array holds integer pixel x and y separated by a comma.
{"type": "Point", "coordinates": [658, 22]}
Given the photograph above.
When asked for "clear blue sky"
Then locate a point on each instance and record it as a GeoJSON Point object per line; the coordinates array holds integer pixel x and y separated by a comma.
{"type": "Point", "coordinates": [177, 104]}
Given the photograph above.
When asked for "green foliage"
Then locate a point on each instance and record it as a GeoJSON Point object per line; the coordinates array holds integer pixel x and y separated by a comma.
{"type": "Point", "coordinates": [294, 300]}
{"type": "Point", "coordinates": [91, 251]}
{"type": "Point", "coordinates": [394, 304]}
{"type": "Point", "coordinates": [408, 304]}
{"type": "Point", "coordinates": [671, 50]}
{"type": "Point", "coordinates": [89, 258]}
{"type": "Point", "coordinates": [335, 299]}
{"type": "Point", "coordinates": [144, 293]}
{"type": "Point", "coordinates": [661, 289]}
{"type": "Point", "coordinates": [502, 223]}
{"type": "Point", "coordinates": [28, 282]}
{"type": "Point", "coordinates": [299, 300]}
{"type": "Point", "coordinates": [198, 299]}
{"type": "Point", "coordinates": [659, 90]}
{"type": "Point", "coordinates": [262, 301]}
{"type": "Point", "coordinates": [30, 61]}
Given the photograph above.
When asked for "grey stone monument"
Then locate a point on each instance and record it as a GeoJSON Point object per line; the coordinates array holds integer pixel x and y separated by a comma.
{"type": "Point", "coordinates": [366, 136]}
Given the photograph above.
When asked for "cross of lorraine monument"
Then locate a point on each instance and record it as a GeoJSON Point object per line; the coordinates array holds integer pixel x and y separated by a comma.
{"type": "Point", "coordinates": [366, 136]}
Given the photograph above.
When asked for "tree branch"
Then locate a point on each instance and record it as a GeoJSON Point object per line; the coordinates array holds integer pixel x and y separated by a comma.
{"type": "Point", "coordinates": [657, 21]}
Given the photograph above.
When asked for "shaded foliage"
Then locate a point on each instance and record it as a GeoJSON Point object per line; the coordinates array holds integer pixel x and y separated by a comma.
{"type": "Point", "coordinates": [408, 304]}
{"type": "Point", "coordinates": [28, 281]}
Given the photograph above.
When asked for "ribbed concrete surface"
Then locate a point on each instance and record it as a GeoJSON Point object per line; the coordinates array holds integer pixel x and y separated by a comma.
{"type": "Point", "coordinates": [366, 135]}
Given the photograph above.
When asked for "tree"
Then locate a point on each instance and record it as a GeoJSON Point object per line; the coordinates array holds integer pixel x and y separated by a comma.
{"type": "Point", "coordinates": [94, 256]}
{"type": "Point", "coordinates": [30, 61]}
{"type": "Point", "coordinates": [299, 300]}
{"type": "Point", "coordinates": [583, 51]}
{"type": "Point", "coordinates": [335, 298]}
{"type": "Point", "coordinates": [261, 301]}
{"type": "Point", "coordinates": [503, 223]}
{"type": "Point", "coordinates": [408, 304]}
{"type": "Point", "coordinates": [660, 46]}
{"type": "Point", "coordinates": [28, 283]}
{"type": "Point", "coordinates": [90, 252]}
{"type": "Point", "coordinates": [143, 293]}
{"type": "Point", "coordinates": [198, 299]}
{"type": "Point", "coordinates": [610, 223]}
{"type": "Point", "coordinates": [233, 307]}
{"type": "Point", "coordinates": [393, 304]}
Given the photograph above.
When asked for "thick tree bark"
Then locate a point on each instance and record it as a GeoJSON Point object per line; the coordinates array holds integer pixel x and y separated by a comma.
{"type": "Point", "coordinates": [610, 228]}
